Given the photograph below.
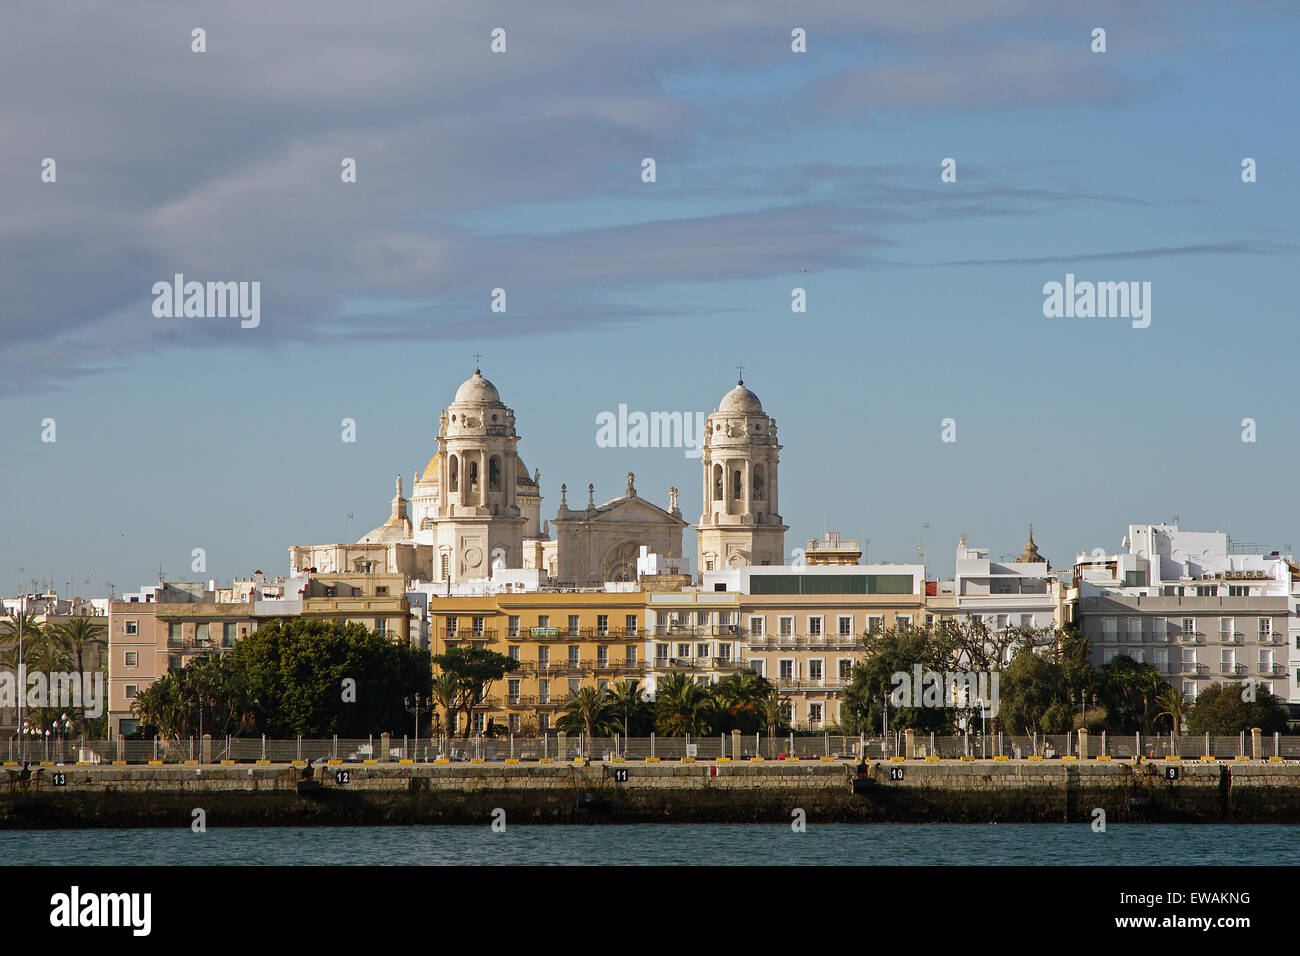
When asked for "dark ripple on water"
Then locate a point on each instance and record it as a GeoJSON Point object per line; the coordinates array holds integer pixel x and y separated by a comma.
{"type": "Point", "coordinates": [726, 845]}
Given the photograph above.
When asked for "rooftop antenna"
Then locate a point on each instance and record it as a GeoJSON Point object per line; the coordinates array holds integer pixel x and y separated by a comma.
{"type": "Point", "coordinates": [920, 548]}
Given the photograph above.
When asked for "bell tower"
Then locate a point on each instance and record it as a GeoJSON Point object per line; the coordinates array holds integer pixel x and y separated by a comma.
{"type": "Point", "coordinates": [741, 522]}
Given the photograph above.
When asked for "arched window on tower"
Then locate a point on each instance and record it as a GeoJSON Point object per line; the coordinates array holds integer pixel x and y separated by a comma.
{"type": "Point", "coordinates": [453, 472]}
{"type": "Point", "coordinates": [737, 485]}
{"type": "Point", "coordinates": [494, 473]}
{"type": "Point", "coordinates": [758, 482]}
{"type": "Point", "coordinates": [473, 476]}
{"type": "Point", "coordinates": [717, 482]}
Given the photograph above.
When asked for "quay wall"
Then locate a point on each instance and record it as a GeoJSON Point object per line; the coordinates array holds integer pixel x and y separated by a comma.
{"type": "Point", "coordinates": [829, 791]}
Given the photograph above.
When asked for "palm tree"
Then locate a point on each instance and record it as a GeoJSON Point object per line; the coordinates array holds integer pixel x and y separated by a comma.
{"type": "Point", "coordinates": [774, 711]}
{"type": "Point", "coordinates": [682, 707]}
{"type": "Point", "coordinates": [80, 633]}
{"type": "Point", "coordinates": [1173, 704]}
{"type": "Point", "coordinates": [446, 693]}
{"type": "Point", "coordinates": [628, 697]}
{"type": "Point", "coordinates": [15, 624]}
{"type": "Point", "coordinates": [590, 712]}
{"type": "Point", "coordinates": [741, 697]}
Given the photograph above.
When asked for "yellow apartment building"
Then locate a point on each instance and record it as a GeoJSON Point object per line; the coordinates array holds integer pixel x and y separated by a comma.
{"type": "Point", "coordinates": [562, 641]}
{"type": "Point", "coordinates": [149, 640]}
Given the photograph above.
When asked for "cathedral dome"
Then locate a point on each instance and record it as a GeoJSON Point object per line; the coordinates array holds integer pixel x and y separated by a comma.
{"type": "Point", "coordinates": [741, 400]}
{"type": "Point", "coordinates": [477, 390]}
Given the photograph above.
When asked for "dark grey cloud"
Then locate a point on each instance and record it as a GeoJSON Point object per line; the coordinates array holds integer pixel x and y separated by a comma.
{"type": "Point", "coordinates": [225, 165]}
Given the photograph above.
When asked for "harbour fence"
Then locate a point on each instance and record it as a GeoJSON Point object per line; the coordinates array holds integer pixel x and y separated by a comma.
{"type": "Point", "coordinates": [560, 747]}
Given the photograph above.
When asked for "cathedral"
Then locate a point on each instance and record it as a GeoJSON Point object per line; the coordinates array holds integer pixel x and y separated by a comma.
{"type": "Point", "coordinates": [475, 510]}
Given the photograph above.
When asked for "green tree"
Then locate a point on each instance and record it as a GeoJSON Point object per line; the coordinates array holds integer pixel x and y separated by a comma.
{"type": "Point", "coordinates": [1130, 691]}
{"type": "Point", "coordinates": [475, 669]}
{"type": "Point", "coordinates": [635, 714]}
{"type": "Point", "coordinates": [1223, 710]}
{"type": "Point", "coordinates": [446, 694]}
{"type": "Point", "coordinates": [1173, 705]}
{"type": "Point", "coordinates": [739, 702]}
{"type": "Point", "coordinates": [296, 670]}
{"type": "Point", "coordinates": [590, 712]}
{"type": "Point", "coordinates": [682, 707]}
{"type": "Point", "coordinates": [79, 634]}
{"type": "Point", "coordinates": [872, 682]}
{"type": "Point", "coordinates": [1034, 695]}
{"type": "Point", "coordinates": [207, 696]}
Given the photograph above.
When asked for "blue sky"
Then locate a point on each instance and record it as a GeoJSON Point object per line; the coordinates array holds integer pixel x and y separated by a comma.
{"type": "Point", "coordinates": [522, 170]}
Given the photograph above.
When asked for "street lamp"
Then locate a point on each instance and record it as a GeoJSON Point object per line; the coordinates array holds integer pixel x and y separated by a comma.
{"type": "Point", "coordinates": [416, 711]}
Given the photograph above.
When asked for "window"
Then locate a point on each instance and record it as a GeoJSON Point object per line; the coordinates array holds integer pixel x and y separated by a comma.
{"type": "Point", "coordinates": [1026, 620]}
{"type": "Point", "coordinates": [756, 626]}
{"type": "Point", "coordinates": [573, 624]}
{"type": "Point", "coordinates": [512, 625]}
{"type": "Point", "coordinates": [701, 650]}
{"type": "Point", "coordinates": [629, 625]}
{"type": "Point", "coordinates": [1134, 629]}
{"type": "Point", "coordinates": [132, 627]}
{"type": "Point", "coordinates": [602, 685]}
{"type": "Point", "coordinates": [130, 691]}
{"type": "Point", "coordinates": [1159, 629]}
{"type": "Point", "coordinates": [575, 684]}
{"type": "Point", "coordinates": [381, 591]}
{"type": "Point", "coordinates": [631, 655]}
{"type": "Point", "coordinates": [543, 692]}
{"type": "Point", "coordinates": [815, 714]}
{"type": "Point", "coordinates": [1189, 628]}
{"type": "Point", "coordinates": [451, 628]}
{"type": "Point", "coordinates": [759, 666]}
{"type": "Point", "coordinates": [1108, 631]}
{"type": "Point", "coordinates": [479, 719]}
{"type": "Point", "coordinates": [1228, 662]}
{"type": "Point", "coordinates": [543, 724]}
{"type": "Point", "coordinates": [201, 633]}
{"type": "Point", "coordinates": [815, 626]}
{"type": "Point", "coordinates": [132, 658]}
{"type": "Point", "coordinates": [701, 618]}
{"type": "Point", "coordinates": [573, 655]}
{"type": "Point", "coordinates": [724, 653]}
{"type": "Point", "coordinates": [904, 620]}
{"type": "Point", "coordinates": [815, 669]}
{"type": "Point", "coordinates": [846, 668]}
{"type": "Point", "coordinates": [543, 657]}
{"type": "Point", "coordinates": [174, 633]}
{"type": "Point", "coordinates": [661, 654]}
{"type": "Point", "coordinates": [1108, 655]}
{"type": "Point", "coordinates": [228, 635]}
{"type": "Point", "coordinates": [785, 668]}
{"type": "Point", "coordinates": [1266, 662]}
{"type": "Point", "coordinates": [1238, 590]}
{"type": "Point", "coordinates": [1189, 660]}
{"type": "Point", "coordinates": [381, 625]}
{"type": "Point", "coordinates": [543, 620]}
{"type": "Point", "coordinates": [1206, 591]}
{"type": "Point", "coordinates": [683, 650]}
{"type": "Point", "coordinates": [875, 622]}
{"type": "Point", "coordinates": [128, 726]}
{"type": "Point", "coordinates": [1265, 628]}
{"type": "Point", "coordinates": [602, 624]}
{"type": "Point", "coordinates": [1160, 659]}
{"type": "Point", "coordinates": [478, 626]}
{"type": "Point", "coordinates": [602, 655]}
{"type": "Point", "coordinates": [513, 721]}
{"type": "Point", "coordinates": [512, 690]}
{"type": "Point", "coordinates": [785, 626]}
{"type": "Point", "coordinates": [513, 652]}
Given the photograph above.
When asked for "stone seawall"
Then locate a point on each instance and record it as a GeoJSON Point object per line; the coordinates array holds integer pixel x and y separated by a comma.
{"type": "Point", "coordinates": [634, 792]}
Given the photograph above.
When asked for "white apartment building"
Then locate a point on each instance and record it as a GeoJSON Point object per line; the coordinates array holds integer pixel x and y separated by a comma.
{"type": "Point", "coordinates": [1005, 594]}
{"type": "Point", "coordinates": [1184, 602]}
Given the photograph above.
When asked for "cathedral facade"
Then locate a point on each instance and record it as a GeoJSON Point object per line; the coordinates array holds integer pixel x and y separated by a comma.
{"type": "Point", "coordinates": [475, 509]}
